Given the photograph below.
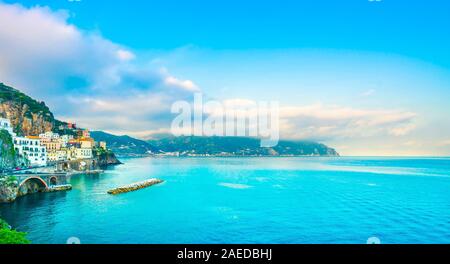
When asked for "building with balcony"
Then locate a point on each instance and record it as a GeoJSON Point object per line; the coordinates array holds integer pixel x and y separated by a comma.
{"type": "Point", "coordinates": [83, 153]}
{"type": "Point", "coordinates": [31, 148]}
{"type": "Point", "coordinates": [59, 155]}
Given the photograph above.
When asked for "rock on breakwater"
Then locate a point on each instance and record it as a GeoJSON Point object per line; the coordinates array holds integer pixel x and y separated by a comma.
{"type": "Point", "coordinates": [135, 186]}
{"type": "Point", "coordinates": [60, 188]}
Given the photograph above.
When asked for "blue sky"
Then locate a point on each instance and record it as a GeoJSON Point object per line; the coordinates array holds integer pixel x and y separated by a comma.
{"type": "Point", "coordinates": [383, 67]}
{"type": "Point", "coordinates": [417, 29]}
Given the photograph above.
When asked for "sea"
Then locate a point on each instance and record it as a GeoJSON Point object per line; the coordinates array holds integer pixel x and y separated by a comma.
{"type": "Point", "coordinates": [271, 200]}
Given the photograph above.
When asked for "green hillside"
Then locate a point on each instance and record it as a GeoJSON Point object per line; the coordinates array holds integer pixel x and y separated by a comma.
{"type": "Point", "coordinates": [124, 145]}
{"type": "Point", "coordinates": [239, 146]}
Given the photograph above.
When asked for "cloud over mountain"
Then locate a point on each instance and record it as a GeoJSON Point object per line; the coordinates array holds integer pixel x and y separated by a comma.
{"type": "Point", "coordinates": [82, 75]}
{"type": "Point", "coordinates": [88, 79]}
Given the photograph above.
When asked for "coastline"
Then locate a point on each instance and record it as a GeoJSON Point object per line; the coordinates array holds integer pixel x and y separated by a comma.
{"type": "Point", "coordinates": [16, 185]}
{"type": "Point", "coordinates": [228, 156]}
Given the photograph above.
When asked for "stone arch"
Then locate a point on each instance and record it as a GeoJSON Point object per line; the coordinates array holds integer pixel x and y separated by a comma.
{"type": "Point", "coordinates": [53, 181]}
{"type": "Point", "coordinates": [32, 185]}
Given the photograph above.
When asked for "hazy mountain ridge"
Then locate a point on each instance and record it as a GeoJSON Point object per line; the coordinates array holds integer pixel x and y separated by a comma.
{"type": "Point", "coordinates": [124, 145]}
{"type": "Point", "coordinates": [210, 146]}
{"type": "Point", "coordinates": [239, 146]}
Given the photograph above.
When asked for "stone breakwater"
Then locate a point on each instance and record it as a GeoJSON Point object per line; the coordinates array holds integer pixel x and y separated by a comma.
{"type": "Point", "coordinates": [135, 186]}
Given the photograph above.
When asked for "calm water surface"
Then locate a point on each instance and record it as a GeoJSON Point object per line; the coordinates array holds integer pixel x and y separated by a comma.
{"type": "Point", "coordinates": [248, 200]}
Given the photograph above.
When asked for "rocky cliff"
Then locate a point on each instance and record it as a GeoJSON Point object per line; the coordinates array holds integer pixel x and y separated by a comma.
{"type": "Point", "coordinates": [28, 116]}
{"type": "Point", "coordinates": [106, 158]}
{"type": "Point", "coordinates": [9, 188]}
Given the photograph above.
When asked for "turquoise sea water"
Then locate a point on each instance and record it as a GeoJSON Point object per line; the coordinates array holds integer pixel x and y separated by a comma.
{"type": "Point", "coordinates": [248, 200]}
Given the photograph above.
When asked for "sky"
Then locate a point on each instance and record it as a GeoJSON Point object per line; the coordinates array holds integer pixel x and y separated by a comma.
{"type": "Point", "coordinates": [365, 77]}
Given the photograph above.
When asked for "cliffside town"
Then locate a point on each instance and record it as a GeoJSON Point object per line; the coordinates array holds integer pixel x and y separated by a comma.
{"type": "Point", "coordinates": [36, 139]}
{"type": "Point", "coordinates": [38, 153]}
{"type": "Point", "coordinates": [49, 148]}
{"type": "Point", "coordinates": [31, 138]}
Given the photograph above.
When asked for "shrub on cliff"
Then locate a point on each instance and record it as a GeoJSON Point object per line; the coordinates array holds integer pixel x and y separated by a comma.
{"type": "Point", "coordinates": [9, 236]}
{"type": "Point", "coordinates": [7, 152]}
{"type": "Point", "coordinates": [12, 237]}
{"type": "Point", "coordinates": [3, 224]}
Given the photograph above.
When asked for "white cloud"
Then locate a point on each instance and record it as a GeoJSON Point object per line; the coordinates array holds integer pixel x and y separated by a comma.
{"type": "Point", "coordinates": [125, 55]}
{"type": "Point", "coordinates": [412, 143]}
{"type": "Point", "coordinates": [81, 75]}
{"type": "Point", "coordinates": [187, 85]}
{"type": "Point", "coordinates": [402, 130]}
{"type": "Point", "coordinates": [99, 84]}
{"type": "Point", "coordinates": [324, 122]}
{"type": "Point", "coordinates": [40, 51]}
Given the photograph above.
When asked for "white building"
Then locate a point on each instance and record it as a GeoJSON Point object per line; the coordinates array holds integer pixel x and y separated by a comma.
{"type": "Point", "coordinates": [64, 140]}
{"type": "Point", "coordinates": [59, 155]}
{"type": "Point", "coordinates": [87, 143]}
{"type": "Point", "coordinates": [6, 125]}
{"type": "Point", "coordinates": [83, 153]}
{"type": "Point", "coordinates": [102, 145]}
{"type": "Point", "coordinates": [50, 136]}
{"type": "Point", "coordinates": [31, 148]}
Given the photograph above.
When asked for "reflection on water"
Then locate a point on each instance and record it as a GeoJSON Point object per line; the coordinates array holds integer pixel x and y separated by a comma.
{"type": "Point", "coordinates": [248, 200]}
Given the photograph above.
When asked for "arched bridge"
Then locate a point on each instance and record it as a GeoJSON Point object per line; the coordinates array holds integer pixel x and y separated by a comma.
{"type": "Point", "coordinates": [44, 180]}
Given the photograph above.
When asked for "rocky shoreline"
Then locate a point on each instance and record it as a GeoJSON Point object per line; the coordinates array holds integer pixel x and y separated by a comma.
{"type": "Point", "coordinates": [10, 192]}
{"type": "Point", "coordinates": [135, 186]}
{"type": "Point", "coordinates": [11, 188]}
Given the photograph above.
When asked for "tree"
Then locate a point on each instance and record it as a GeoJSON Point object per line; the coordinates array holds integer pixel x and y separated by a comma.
{"type": "Point", "coordinates": [9, 236]}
